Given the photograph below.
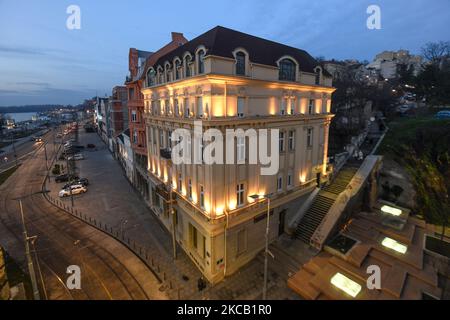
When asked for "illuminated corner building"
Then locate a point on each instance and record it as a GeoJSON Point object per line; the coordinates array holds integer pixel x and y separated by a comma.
{"type": "Point", "coordinates": [137, 62]}
{"type": "Point", "coordinates": [229, 79]}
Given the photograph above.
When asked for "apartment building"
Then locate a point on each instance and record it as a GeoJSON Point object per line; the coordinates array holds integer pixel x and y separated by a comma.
{"type": "Point", "coordinates": [118, 116]}
{"type": "Point", "coordinates": [228, 80]}
{"type": "Point", "coordinates": [137, 62]}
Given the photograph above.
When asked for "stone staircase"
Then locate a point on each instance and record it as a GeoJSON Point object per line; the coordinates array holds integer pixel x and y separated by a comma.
{"type": "Point", "coordinates": [323, 202]}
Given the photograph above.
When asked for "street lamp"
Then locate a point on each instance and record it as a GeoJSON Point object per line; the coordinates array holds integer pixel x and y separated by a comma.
{"type": "Point", "coordinates": [266, 251]}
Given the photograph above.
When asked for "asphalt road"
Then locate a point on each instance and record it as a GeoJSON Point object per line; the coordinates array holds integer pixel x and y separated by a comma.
{"type": "Point", "coordinates": [108, 269]}
{"type": "Point", "coordinates": [23, 151]}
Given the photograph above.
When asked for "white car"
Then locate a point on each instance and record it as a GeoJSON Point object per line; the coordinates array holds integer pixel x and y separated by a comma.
{"type": "Point", "coordinates": [77, 156]}
{"type": "Point", "coordinates": [76, 189]}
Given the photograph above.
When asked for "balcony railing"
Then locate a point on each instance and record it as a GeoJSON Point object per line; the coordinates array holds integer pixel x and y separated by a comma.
{"type": "Point", "coordinates": [165, 153]}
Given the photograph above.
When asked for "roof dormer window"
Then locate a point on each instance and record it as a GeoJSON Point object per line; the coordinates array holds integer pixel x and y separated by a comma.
{"type": "Point", "coordinates": [287, 70]}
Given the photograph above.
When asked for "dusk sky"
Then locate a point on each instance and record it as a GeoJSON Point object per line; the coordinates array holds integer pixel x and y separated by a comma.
{"type": "Point", "coordinates": [41, 61]}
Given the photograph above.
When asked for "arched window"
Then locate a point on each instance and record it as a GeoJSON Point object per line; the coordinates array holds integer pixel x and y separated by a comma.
{"type": "Point", "coordinates": [167, 73]}
{"type": "Point", "coordinates": [317, 79]}
{"type": "Point", "coordinates": [187, 69]}
{"type": "Point", "coordinates": [287, 70]}
{"type": "Point", "coordinates": [240, 63]}
{"type": "Point", "coordinates": [177, 69]}
{"type": "Point", "coordinates": [151, 77]}
{"type": "Point", "coordinates": [200, 61]}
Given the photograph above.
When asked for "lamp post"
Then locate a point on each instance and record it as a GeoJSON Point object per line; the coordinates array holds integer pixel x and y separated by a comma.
{"type": "Point", "coordinates": [266, 250]}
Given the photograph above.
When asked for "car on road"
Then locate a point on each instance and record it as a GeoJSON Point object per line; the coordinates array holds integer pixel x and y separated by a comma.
{"type": "Point", "coordinates": [90, 145]}
{"type": "Point", "coordinates": [74, 189]}
{"type": "Point", "coordinates": [444, 114]}
{"type": "Point", "coordinates": [65, 177]}
{"type": "Point", "coordinates": [77, 156]}
{"type": "Point", "coordinates": [83, 181]}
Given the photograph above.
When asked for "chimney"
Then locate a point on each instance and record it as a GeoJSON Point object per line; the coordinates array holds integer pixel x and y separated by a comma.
{"type": "Point", "coordinates": [178, 37]}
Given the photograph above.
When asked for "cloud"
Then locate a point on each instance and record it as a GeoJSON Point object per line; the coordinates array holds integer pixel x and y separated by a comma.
{"type": "Point", "coordinates": [35, 51]}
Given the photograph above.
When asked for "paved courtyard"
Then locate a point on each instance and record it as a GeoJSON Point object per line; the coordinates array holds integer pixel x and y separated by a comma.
{"type": "Point", "coordinates": [111, 199]}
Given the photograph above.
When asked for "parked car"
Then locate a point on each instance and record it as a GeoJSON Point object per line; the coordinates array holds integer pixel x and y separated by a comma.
{"type": "Point", "coordinates": [83, 181]}
{"type": "Point", "coordinates": [77, 156]}
{"type": "Point", "coordinates": [91, 145]}
{"type": "Point", "coordinates": [65, 177]}
{"type": "Point", "coordinates": [75, 189]}
{"type": "Point", "coordinates": [443, 114]}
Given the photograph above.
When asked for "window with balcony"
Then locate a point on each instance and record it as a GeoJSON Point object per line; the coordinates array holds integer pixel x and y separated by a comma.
{"type": "Point", "coordinates": [287, 70]}
{"type": "Point", "coordinates": [240, 106]}
{"type": "Point", "coordinates": [201, 62]}
{"type": "Point", "coordinates": [240, 63]}
{"type": "Point", "coordinates": [291, 140]}
{"type": "Point", "coordinates": [240, 194]}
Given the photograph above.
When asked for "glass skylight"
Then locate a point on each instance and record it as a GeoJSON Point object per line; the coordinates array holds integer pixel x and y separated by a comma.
{"type": "Point", "coordinates": [394, 245]}
{"type": "Point", "coordinates": [391, 210]}
{"type": "Point", "coordinates": [346, 284]}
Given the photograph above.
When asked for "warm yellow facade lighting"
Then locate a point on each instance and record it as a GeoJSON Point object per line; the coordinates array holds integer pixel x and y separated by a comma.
{"type": "Point", "coordinates": [346, 284]}
{"type": "Point", "coordinates": [394, 245]}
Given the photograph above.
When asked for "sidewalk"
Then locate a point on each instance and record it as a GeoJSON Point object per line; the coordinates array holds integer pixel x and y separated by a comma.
{"type": "Point", "coordinates": [111, 200]}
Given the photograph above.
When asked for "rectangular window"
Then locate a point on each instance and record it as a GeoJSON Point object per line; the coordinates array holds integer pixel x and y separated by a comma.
{"type": "Point", "coordinates": [240, 191]}
{"type": "Point", "coordinates": [283, 106]}
{"type": "Point", "coordinates": [154, 138]}
{"type": "Point", "coordinates": [311, 106]}
{"type": "Point", "coordinates": [240, 150]}
{"type": "Point", "coordinates": [133, 116]}
{"type": "Point", "coordinates": [190, 189]}
{"type": "Point", "coordinates": [289, 179]}
{"type": "Point", "coordinates": [161, 138]}
{"type": "Point", "coordinates": [131, 94]}
{"type": "Point", "coordinates": [292, 106]}
{"type": "Point", "coordinates": [291, 140]}
{"type": "Point", "coordinates": [280, 183]}
{"type": "Point", "coordinates": [309, 138]}
{"type": "Point", "coordinates": [202, 197]}
{"type": "Point", "coordinates": [169, 139]}
{"type": "Point", "coordinates": [199, 106]}
{"type": "Point", "coordinates": [180, 182]}
{"type": "Point", "coordinates": [135, 137]}
{"type": "Point", "coordinates": [186, 108]}
{"type": "Point", "coordinates": [240, 107]}
{"type": "Point", "coordinates": [281, 141]}
{"type": "Point", "coordinates": [193, 236]}
{"type": "Point", "coordinates": [167, 107]}
{"type": "Point", "coordinates": [177, 111]}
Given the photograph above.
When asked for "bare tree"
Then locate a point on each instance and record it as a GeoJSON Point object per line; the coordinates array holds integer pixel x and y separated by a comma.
{"type": "Point", "coordinates": [435, 51]}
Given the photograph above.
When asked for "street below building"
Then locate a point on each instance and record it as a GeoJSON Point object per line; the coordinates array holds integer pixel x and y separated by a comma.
{"type": "Point", "coordinates": [108, 269]}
